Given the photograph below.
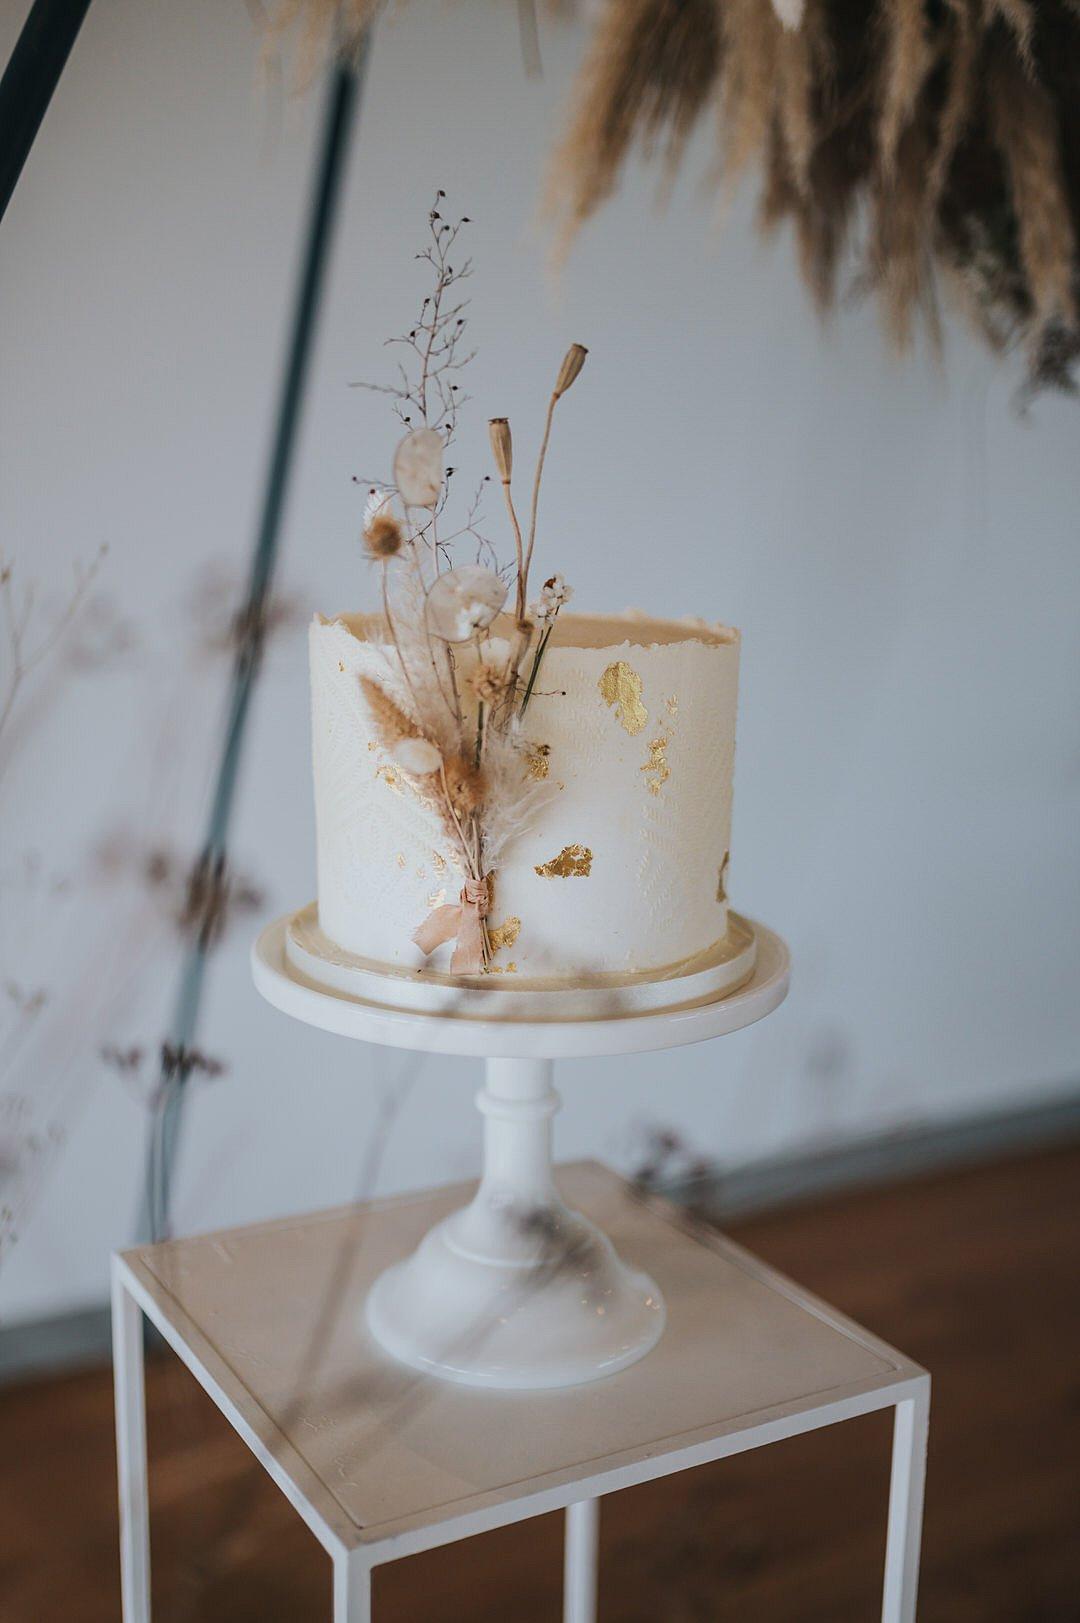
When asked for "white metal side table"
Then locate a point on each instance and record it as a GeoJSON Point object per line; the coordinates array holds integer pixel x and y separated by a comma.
{"type": "Point", "coordinates": [382, 1462]}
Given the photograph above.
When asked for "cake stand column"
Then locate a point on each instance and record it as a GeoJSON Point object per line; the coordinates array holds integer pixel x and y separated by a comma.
{"type": "Point", "coordinates": [516, 1290]}
{"type": "Point", "coordinates": [518, 1104]}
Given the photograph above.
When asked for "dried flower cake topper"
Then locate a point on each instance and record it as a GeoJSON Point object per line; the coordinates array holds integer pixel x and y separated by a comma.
{"type": "Point", "coordinates": [460, 670]}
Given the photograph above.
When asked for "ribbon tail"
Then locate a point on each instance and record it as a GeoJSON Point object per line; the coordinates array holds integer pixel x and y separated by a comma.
{"type": "Point", "coordinates": [441, 925]}
{"type": "Point", "coordinates": [468, 958]}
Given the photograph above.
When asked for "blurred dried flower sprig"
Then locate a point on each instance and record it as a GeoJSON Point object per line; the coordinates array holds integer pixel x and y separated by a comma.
{"type": "Point", "coordinates": [938, 139]}
{"type": "Point", "coordinates": [30, 632]}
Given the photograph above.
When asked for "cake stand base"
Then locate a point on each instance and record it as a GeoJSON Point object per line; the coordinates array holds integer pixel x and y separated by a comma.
{"type": "Point", "coordinates": [516, 1290]}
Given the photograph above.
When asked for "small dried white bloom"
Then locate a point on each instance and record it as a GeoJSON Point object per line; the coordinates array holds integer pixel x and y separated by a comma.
{"type": "Point", "coordinates": [553, 594]}
{"type": "Point", "coordinates": [416, 756]}
{"type": "Point", "coordinates": [464, 601]}
{"type": "Point", "coordinates": [418, 467]}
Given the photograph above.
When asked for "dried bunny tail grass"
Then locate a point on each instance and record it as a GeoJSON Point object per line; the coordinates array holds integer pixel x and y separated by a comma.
{"type": "Point", "coordinates": [1024, 127]}
{"type": "Point", "coordinates": [906, 63]}
{"type": "Point", "coordinates": [752, 34]}
{"type": "Point", "coordinates": [651, 65]}
{"type": "Point", "coordinates": [391, 722]}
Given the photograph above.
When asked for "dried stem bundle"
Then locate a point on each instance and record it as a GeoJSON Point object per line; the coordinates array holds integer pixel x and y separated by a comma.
{"type": "Point", "coordinates": [456, 732]}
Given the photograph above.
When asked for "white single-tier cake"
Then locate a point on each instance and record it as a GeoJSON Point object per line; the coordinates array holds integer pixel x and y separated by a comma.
{"type": "Point", "coordinates": [623, 870]}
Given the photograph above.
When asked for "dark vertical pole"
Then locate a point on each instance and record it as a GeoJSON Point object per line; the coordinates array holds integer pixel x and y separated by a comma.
{"type": "Point", "coordinates": [30, 78]}
{"type": "Point", "coordinates": [210, 873]}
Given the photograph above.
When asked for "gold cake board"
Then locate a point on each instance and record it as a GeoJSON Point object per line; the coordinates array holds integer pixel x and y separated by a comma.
{"type": "Point", "coordinates": [713, 974]}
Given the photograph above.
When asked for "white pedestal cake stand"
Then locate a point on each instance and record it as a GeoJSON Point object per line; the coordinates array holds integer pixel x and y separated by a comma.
{"type": "Point", "coordinates": [515, 1290]}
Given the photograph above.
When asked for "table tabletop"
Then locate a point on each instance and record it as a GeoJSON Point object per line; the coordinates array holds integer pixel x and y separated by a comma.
{"type": "Point", "coordinates": [271, 1318]}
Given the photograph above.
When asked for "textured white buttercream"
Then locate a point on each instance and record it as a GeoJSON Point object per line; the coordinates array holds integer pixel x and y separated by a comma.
{"type": "Point", "coordinates": [652, 805]}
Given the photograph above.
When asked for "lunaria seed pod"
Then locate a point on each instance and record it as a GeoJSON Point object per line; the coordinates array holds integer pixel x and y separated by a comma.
{"type": "Point", "coordinates": [418, 468]}
{"type": "Point", "coordinates": [463, 601]}
{"type": "Point", "coordinates": [416, 756]}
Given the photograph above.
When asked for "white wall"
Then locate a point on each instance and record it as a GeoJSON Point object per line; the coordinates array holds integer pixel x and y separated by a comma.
{"type": "Point", "coordinates": [900, 551]}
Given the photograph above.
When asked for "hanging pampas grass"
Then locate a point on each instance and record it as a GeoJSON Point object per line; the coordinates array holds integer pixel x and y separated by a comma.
{"type": "Point", "coordinates": [650, 69]}
{"type": "Point", "coordinates": [951, 128]}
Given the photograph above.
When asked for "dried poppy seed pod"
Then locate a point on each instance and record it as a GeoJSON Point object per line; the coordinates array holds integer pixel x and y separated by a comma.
{"type": "Point", "coordinates": [502, 447]}
{"type": "Point", "coordinates": [573, 361]}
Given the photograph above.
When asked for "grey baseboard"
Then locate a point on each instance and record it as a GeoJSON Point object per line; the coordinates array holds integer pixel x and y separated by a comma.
{"type": "Point", "coordinates": [881, 1158]}
{"type": "Point", "coordinates": [82, 1339]}
{"type": "Point", "coordinates": [50, 1346]}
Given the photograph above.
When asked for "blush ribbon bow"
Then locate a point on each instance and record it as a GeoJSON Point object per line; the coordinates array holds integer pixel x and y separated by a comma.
{"type": "Point", "coordinates": [463, 919]}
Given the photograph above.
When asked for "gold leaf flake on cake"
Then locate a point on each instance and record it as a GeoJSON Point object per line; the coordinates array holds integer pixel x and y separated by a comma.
{"type": "Point", "coordinates": [537, 764]}
{"type": "Point", "coordinates": [436, 897]}
{"type": "Point", "coordinates": [656, 768]}
{"type": "Point", "coordinates": [501, 969]}
{"type": "Point", "coordinates": [505, 934]}
{"type": "Point", "coordinates": [620, 686]}
{"type": "Point", "coordinates": [401, 860]}
{"type": "Point", "coordinates": [721, 878]}
{"type": "Point", "coordinates": [673, 706]}
{"type": "Point", "coordinates": [438, 862]}
{"type": "Point", "coordinates": [341, 665]}
{"type": "Point", "coordinates": [572, 862]}
{"type": "Point", "coordinates": [372, 746]}
{"type": "Point", "coordinates": [390, 778]}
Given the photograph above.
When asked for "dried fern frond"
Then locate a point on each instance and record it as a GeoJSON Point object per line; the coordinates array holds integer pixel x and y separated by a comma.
{"type": "Point", "coordinates": [514, 796]}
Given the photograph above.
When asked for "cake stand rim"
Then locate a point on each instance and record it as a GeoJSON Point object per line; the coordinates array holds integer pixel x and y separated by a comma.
{"type": "Point", "coordinates": [512, 1038]}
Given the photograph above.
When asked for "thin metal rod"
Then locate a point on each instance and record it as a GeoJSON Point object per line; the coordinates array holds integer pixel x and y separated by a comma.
{"type": "Point", "coordinates": [32, 74]}
{"type": "Point", "coordinates": [342, 102]}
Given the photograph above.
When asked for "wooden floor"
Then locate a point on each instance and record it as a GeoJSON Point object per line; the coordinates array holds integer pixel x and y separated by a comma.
{"type": "Point", "coordinates": [975, 1274]}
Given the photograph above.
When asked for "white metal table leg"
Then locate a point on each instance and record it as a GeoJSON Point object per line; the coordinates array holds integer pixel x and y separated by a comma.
{"type": "Point", "coordinates": [352, 1588]}
{"type": "Point", "coordinates": [127, 1337]}
{"type": "Point", "coordinates": [580, 1561]}
{"type": "Point", "coordinates": [910, 1426]}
